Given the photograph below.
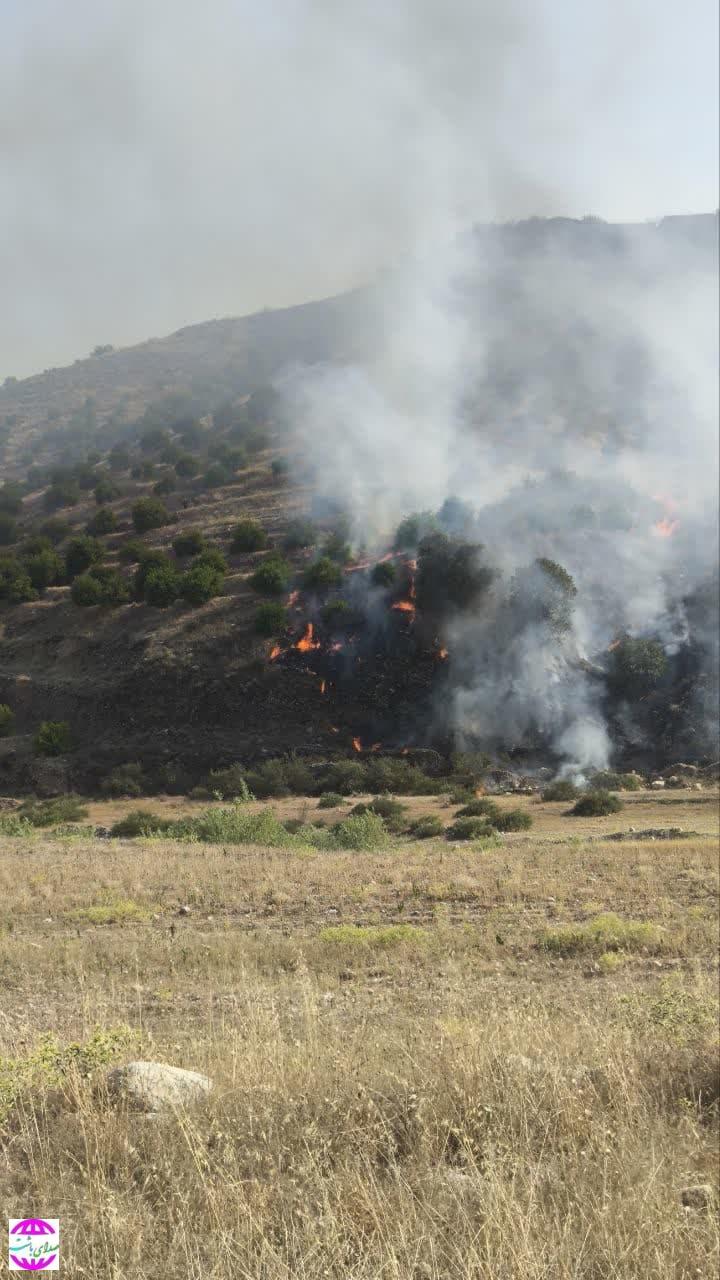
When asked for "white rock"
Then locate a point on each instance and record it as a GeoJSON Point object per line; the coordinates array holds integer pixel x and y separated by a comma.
{"type": "Point", "coordinates": [148, 1086]}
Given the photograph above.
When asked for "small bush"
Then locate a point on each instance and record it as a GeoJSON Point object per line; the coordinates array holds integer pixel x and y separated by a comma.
{"type": "Point", "coordinates": [63, 494]}
{"type": "Point", "coordinates": [235, 825]}
{"type": "Point", "coordinates": [377, 937]}
{"type": "Point", "coordinates": [7, 720]}
{"type": "Point", "coordinates": [15, 584]}
{"type": "Point", "coordinates": [81, 553]}
{"type": "Point", "coordinates": [322, 574]}
{"type": "Point", "coordinates": [104, 521]}
{"type": "Point", "coordinates": [337, 548]}
{"type": "Point", "coordinates": [480, 807]}
{"type": "Point", "coordinates": [346, 777]}
{"type": "Point", "coordinates": [300, 533]}
{"type": "Point", "coordinates": [330, 800]}
{"type": "Point", "coordinates": [607, 932]}
{"type": "Point", "coordinates": [47, 813]}
{"type": "Point", "coordinates": [512, 820]}
{"type": "Point", "coordinates": [53, 738]}
{"type": "Point", "coordinates": [229, 783]}
{"type": "Point", "coordinates": [161, 586]}
{"type": "Point", "coordinates": [212, 558]}
{"type": "Point", "coordinates": [189, 543]}
{"type": "Point", "coordinates": [426, 827]}
{"type": "Point", "coordinates": [166, 484]}
{"type": "Point", "coordinates": [271, 577]}
{"type": "Point", "coordinates": [391, 812]}
{"type": "Point", "coordinates": [469, 829]}
{"type": "Point", "coordinates": [11, 498]}
{"type": "Point", "coordinates": [201, 583]}
{"type": "Point", "coordinates": [413, 528]}
{"type": "Point", "coordinates": [140, 822]}
{"type": "Point", "coordinates": [269, 779]}
{"type": "Point", "coordinates": [133, 551]}
{"type": "Point", "coordinates": [607, 780]}
{"type": "Point", "coordinates": [86, 591]}
{"type": "Point", "coordinates": [270, 619]}
{"type": "Point", "coordinates": [55, 529]}
{"type": "Point", "coordinates": [560, 790]}
{"type": "Point", "coordinates": [248, 535]}
{"type": "Point", "coordinates": [149, 513]}
{"type": "Point", "coordinates": [596, 804]}
{"type": "Point", "coordinates": [44, 569]}
{"type": "Point", "coordinates": [8, 529]}
{"type": "Point", "coordinates": [216, 475]}
{"type": "Point", "coordinates": [338, 614]}
{"type": "Point", "coordinates": [125, 780]}
{"type": "Point", "coordinates": [187, 465]}
{"type": "Point", "coordinates": [360, 831]}
{"type": "Point", "coordinates": [383, 574]}
{"type": "Point", "coordinates": [106, 491]}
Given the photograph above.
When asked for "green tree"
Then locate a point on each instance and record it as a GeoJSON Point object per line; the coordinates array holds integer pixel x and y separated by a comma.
{"type": "Point", "coordinates": [248, 535]}
{"type": "Point", "coordinates": [162, 586]}
{"type": "Point", "coordinates": [82, 552]}
{"type": "Point", "coordinates": [7, 720]}
{"type": "Point", "coordinates": [104, 521]}
{"type": "Point", "coordinates": [53, 738]}
{"type": "Point", "coordinates": [637, 667]}
{"type": "Point", "coordinates": [201, 583]}
{"type": "Point", "coordinates": [44, 569]}
{"type": "Point", "coordinates": [189, 543]}
{"type": "Point", "coordinates": [271, 577]}
{"type": "Point", "coordinates": [270, 619]}
{"type": "Point", "coordinates": [149, 513]}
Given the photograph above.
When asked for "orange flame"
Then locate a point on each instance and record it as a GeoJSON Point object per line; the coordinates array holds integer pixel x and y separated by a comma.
{"type": "Point", "coordinates": [334, 728]}
{"type": "Point", "coordinates": [665, 528]}
{"type": "Point", "coordinates": [306, 642]}
{"type": "Point", "coordinates": [275, 652]}
{"type": "Point", "coordinates": [323, 686]}
{"type": "Point", "coordinates": [614, 644]}
{"type": "Point", "coordinates": [293, 599]}
{"type": "Point", "coordinates": [442, 655]}
{"type": "Point", "coordinates": [357, 744]}
{"type": "Point", "coordinates": [404, 606]}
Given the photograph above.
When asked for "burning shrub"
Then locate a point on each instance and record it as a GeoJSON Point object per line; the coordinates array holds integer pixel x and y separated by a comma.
{"type": "Point", "coordinates": [560, 790]}
{"type": "Point", "coordinates": [544, 593]}
{"type": "Point", "coordinates": [450, 575]}
{"type": "Point", "coordinates": [104, 521]}
{"type": "Point", "coordinates": [322, 574]}
{"type": "Point", "coordinates": [512, 820]}
{"type": "Point", "coordinates": [161, 585]}
{"type": "Point", "coordinates": [149, 513]}
{"type": "Point", "coordinates": [189, 543]}
{"type": "Point", "coordinates": [7, 720]}
{"type": "Point", "coordinates": [300, 533]}
{"type": "Point", "coordinates": [480, 808]}
{"type": "Point", "coordinates": [125, 780]}
{"type": "Point", "coordinates": [53, 738]}
{"type": "Point", "coordinates": [270, 619]}
{"type": "Point", "coordinates": [413, 529]}
{"type": "Point", "coordinates": [383, 574]}
{"type": "Point", "coordinates": [330, 800]}
{"type": "Point", "coordinates": [469, 829]}
{"type": "Point", "coordinates": [248, 535]}
{"type": "Point", "coordinates": [596, 804]}
{"type": "Point", "coordinates": [425, 827]}
{"type": "Point", "coordinates": [637, 667]}
{"type": "Point", "coordinates": [81, 553]}
{"type": "Point", "coordinates": [271, 577]}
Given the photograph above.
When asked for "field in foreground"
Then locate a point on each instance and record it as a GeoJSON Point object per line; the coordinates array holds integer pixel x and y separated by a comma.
{"type": "Point", "coordinates": [431, 1061]}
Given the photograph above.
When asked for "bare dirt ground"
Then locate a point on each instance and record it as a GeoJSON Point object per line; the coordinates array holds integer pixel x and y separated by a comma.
{"type": "Point", "coordinates": [438, 1060]}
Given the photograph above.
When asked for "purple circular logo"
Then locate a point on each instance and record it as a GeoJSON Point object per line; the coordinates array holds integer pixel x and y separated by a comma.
{"type": "Point", "coordinates": [34, 1244]}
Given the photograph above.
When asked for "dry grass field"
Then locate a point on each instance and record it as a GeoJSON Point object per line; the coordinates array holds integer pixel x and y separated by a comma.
{"type": "Point", "coordinates": [440, 1060]}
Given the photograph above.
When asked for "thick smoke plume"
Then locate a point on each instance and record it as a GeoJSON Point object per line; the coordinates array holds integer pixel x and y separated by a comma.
{"type": "Point", "coordinates": [558, 379]}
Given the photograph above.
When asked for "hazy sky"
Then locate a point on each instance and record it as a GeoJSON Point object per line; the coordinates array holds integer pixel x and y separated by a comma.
{"type": "Point", "coordinates": [168, 161]}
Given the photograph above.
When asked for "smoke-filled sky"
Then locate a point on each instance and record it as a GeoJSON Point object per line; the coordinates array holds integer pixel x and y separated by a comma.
{"type": "Point", "coordinates": [167, 161]}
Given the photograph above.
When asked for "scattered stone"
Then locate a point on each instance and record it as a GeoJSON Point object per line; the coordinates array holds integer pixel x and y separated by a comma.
{"type": "Point", "coordinates": [48, 920]}
{"type": "Point", "coordinates": [149, 1086]}
{"type": "Point", "coordinates": [698, 1197]}
{"type": "Point", "coordinates": [184, 911]}
{"type": "Point", "coordinates": [658, 784]}
{"type": "Point", "coordinates": [102, 833]}
{"type": "Point", "coordinates": [651, 833]}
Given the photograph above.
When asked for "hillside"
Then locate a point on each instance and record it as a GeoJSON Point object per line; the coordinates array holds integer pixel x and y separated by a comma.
{"type": "Point", "coordinates": [187, 684]}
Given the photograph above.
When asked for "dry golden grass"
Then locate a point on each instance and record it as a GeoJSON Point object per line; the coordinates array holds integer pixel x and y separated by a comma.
{"type": "Point", "coordinates": [408, 1083]}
